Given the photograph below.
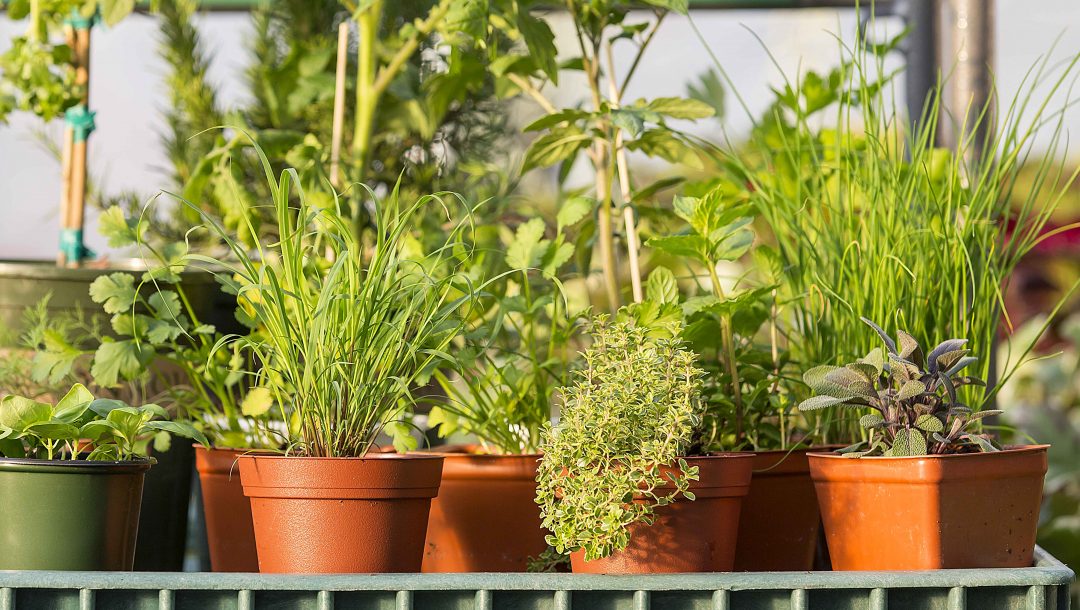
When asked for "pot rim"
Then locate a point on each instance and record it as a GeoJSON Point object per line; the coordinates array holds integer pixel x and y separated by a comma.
{"type": "Point", "coordinates": [466, 450]}
{"type": "Point", "coordinates": [371, 455]}
{"type": "Point", "coordinates": [68, 466]}
{"type": "Point", "coordinates": [1007, 450]}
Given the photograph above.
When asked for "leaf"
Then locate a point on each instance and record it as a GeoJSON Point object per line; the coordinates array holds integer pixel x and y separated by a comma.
{"type": "Point", "coordinates": [908, 442]}
{"type": "Point", "coordinates": [468, 17]}
{"type": "Point", "coordinates": [540, 41]}
{"type": "Point", "coordinates": [960, 365]}
{"type": "Point", "coordinates": [733, 246]}
{"type": "Point", "coordinates": [103, 406]}
{"type": "Point", "coordinates": [851, 381]}
{"type": "Point", "coordinates": [115, 360]}
{"type": "Point", "coordinates": [165, 304]}
{"type": "Point", "coordinates": [19, 413]}
{"type": "Point", "coordinates": [528, 245]}
{"type": "Point", "coordinates": [119, 231]}
{"type": "Point", "coordinates": [681, 108]}
{"type": "Point", "coordinates": [114, 11]}
{"type": "Point", "coordinates": [55, 431]}
{"type": "Point", "coordinates": [821, 402]}
{"type": "Point", "coordinates": [116, 292]}
{"type": "Point", "coordinates": [929, 423]}
{"type": "Point", "coordinates": [871, 420]}
{"type": "Point", "coordinates": [661, 286]}
{"type": "Point", "coordinates": [911, 389]}
{"type": "Point", "coordinates": [815, 378]}
{"type": "Point", "coordinates": [573, 210]}
{"type": "Point", "coordinates": [559, 144]}
{"type": "Point", "coordinates": [678, 6]}
{"type": "Point", "coordinates": [180, 429]}
{"type": "Point", "coordinates": [876, 359]}
{"type": "Point", "coordinates": [945, 347]}
{"type": "Point", "coordinates": [663, 143]}
{"type": "Point", "coordinates": [690, 246]}
{"type": "Point", "coordinates": [908, 347]}
{"type": "Point", "coordinates": [73, 404]}
{"type": "Point", "coordinates": [629, 121]}
{"type": "Point", "coordinates": [889, 343]}
{"type": "Point", "coordinates": [557, 254]}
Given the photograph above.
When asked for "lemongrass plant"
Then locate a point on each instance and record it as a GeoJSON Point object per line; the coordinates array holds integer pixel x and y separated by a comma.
{"type": "Point", "coordinates": [872, 218]}
{"type": "Point", "coordinates": [350, 325]}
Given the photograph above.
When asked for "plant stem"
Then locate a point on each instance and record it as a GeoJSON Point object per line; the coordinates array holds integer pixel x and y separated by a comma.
{"type": "Point", "coordinates": [728, 340]}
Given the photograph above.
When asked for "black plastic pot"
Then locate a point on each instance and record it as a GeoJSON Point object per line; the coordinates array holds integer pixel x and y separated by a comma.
{"type": "Point", "coordinates": [164, 527]}
{"type": "Point", "coordinates": [69, 515]}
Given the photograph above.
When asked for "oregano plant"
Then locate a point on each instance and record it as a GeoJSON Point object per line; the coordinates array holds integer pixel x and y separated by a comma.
{"type": "Point", "coordinates": [914, 407]}
{"type": "Point", "coordinates": [627, 422]}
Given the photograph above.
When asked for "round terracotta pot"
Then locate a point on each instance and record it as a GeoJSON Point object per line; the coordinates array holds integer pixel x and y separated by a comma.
{"type": "Point", "coordinates": [780, 521]}
{"type": "Point", "coordinates": [229, 533]}
{"type": "Point", "coordinates": [687, 536]}
{"type": "Point", "coordinates": [486, 518]}
{"type": "Point", "coordinates": [973, 510]}
{"type": "Point", "coordinates": [340, 515]}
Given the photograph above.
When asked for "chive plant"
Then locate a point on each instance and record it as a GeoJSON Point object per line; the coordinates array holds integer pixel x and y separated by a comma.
{"type": "Point", "coordinates": [350, 324]}
{"type": "Point", "coordinates": [872, 218]}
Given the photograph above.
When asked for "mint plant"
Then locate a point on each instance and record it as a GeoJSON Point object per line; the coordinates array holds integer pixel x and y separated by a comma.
{"type": "Point", "coordinates": [616, 454]}
{"type": "Point", "coordinates": [80, 427]}
{"type": "Point", "coordinates": [915, 408]}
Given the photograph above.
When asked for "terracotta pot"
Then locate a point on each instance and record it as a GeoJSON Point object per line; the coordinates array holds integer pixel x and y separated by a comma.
{"type": "Point", "coordinates": [780, 521]}
{"type": "Point", "coordinates": [697, 536]}
{"type": "Point", "coordinates": [340, 515]}
{"type": "Point", "coordinates": [229, 533]}
{"type": "Point", "coordinates": [975, 510]}
{"type": "Point", "coordinates": [486, 518]}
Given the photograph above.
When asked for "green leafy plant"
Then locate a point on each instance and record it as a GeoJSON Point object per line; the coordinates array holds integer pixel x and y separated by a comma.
{"type": "Point", "coordinates": [516, 351]}
{"type": "Point", "coordinates": [80, 427]}
{"type": "Point", "coordinates": [627, 421]}
{"type": "Point", "coordinates": [734, 330]}
{"type": "Point", "coordinates": [912, 397]}
{"type": "Point", "coordinates": [346, 343]}
{"type": "Point", "coordinates": [156, 329]}
{"type": "Point", "coordinates": [36, 74]}
{"type": "Point", "coordinates": [872, 218]}
{"type": "Point", "coordinates": [603, 129]}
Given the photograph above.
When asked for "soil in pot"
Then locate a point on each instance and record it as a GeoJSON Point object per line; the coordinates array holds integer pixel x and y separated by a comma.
{"type": "Point", "coordinates": [69, 515]}
{"type": "Point", "coordinates": [974, 510]}
{"type": "Point", "coordinates": [687, 536]}
{"type": "Point", "coordinates": [780, 521]}
{"type": "Point", "coordinates": [229, 533]}
{"type": "Point", "coordinates": [485, 518]}
{"type": "Point", "coordinates": [340, 515]}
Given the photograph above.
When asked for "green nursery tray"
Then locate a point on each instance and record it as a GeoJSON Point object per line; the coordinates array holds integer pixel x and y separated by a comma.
{"type": "Point", "coordinates": [1042, 587]}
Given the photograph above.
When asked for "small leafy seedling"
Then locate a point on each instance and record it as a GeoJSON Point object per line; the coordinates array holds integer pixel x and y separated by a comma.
{"type": "Point", "coordinates": [80, 427]}
{"type": "Point", "coordinates": [912, 397]}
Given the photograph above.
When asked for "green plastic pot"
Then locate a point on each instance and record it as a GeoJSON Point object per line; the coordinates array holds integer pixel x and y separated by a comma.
{"type": "Point", "coordinates": [69, 515]}
{"type": "Point", "coordinates": [24, 283]}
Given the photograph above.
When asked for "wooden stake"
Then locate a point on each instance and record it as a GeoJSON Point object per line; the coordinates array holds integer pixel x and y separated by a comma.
{"type": "Point", "coordinates": [629, 226]}
{"type": "Point", "coordinates": [77, 197]}
{"type": "Point", "coordinates": [65, 162]}
{"type": "Point", "coordinates": [339, 104]}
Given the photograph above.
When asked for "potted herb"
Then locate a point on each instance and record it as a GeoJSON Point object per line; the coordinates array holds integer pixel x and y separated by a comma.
{"type": "Point", "coordinates": [733, 326]}
{"type": "Point", "coordinates": [71, 479]}
{"type": "Point", "coordinates": [617, 486]}
{"type": "Point", "coordinates": [927, 489]}
{"type": "Point", "coordinates": [501, 392]}
{"type": "Point", "coordinates": [344, 344]}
